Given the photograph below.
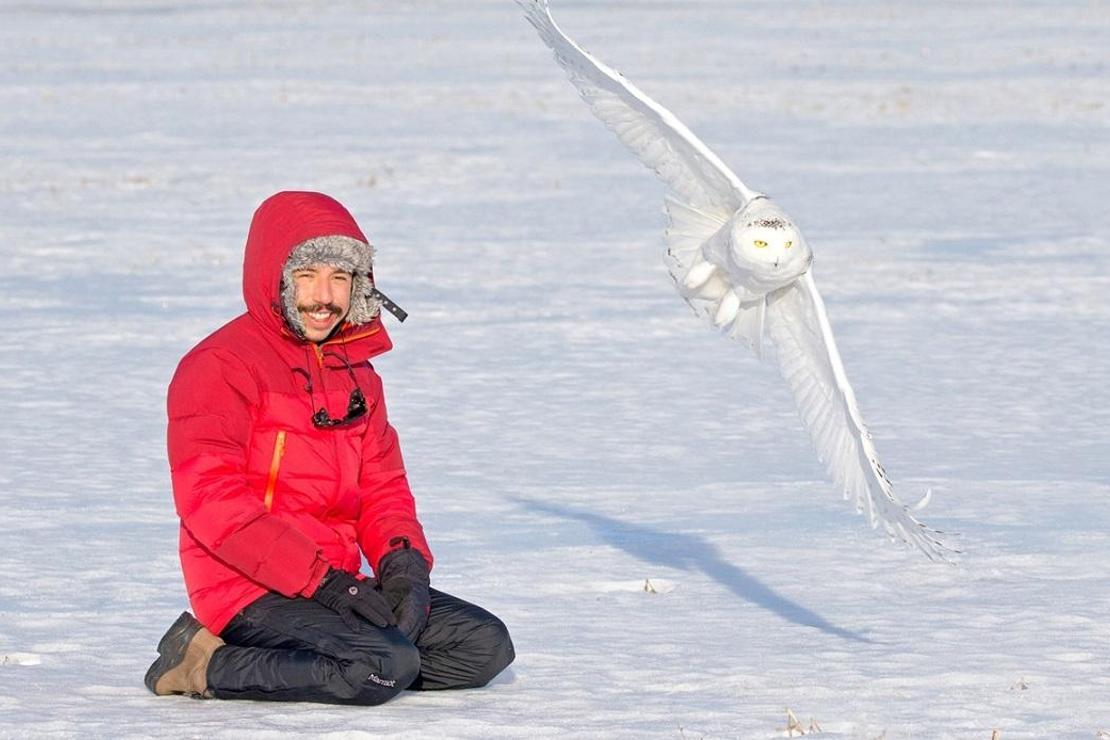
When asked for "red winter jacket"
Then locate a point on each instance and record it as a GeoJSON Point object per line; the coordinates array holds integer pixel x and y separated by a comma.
{"type": "Point", "coordinates": [268, 501]}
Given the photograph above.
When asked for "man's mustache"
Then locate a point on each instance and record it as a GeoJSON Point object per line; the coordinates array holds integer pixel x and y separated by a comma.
{"type": "Point", "coordinates": [318, 307]}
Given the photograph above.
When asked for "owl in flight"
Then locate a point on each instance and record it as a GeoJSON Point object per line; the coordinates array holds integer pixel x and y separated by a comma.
{"type": "Point", "coordinates": [741, 263]}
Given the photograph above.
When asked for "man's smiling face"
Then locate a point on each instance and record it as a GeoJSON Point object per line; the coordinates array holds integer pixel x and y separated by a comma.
{"type": "Point", "coordinates": [323, 296]}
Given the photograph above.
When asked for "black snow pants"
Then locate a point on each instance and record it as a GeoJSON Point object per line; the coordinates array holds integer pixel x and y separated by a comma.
{"type": "Point", "coordinates": [281, 649]}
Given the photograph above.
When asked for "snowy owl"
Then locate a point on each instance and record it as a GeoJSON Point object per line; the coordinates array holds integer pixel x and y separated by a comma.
{"type": "Point", "coordinates": [741, 263]}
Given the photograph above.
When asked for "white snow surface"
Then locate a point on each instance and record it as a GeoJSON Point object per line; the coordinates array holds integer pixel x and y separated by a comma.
{"type": "Point", "coordinates": [571, 431]}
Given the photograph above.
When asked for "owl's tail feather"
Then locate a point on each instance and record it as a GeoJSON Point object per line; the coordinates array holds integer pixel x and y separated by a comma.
{"type": "Point", "coordinates": [688, 228]}
{"type": "Point", "coordinates": [748, 326]}
{"type": "Point", "coordinates": [699, 283]}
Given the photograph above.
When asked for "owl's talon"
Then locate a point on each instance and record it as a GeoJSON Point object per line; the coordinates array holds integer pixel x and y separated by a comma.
{"type": "Point", "coordinates": [726, 312]}
{"type": "Point", "coordinates": [698, 275]}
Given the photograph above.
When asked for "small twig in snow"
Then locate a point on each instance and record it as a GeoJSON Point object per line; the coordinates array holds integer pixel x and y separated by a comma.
{"type": "Point", "coordinates": [792, 725]}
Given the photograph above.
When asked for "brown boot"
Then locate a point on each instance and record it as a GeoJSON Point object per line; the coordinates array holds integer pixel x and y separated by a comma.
{"type": "Point", "coordinates": [183, 655]}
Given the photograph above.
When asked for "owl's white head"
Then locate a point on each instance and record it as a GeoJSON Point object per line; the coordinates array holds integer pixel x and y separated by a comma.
{"type": "Point", "coordinates": [766, 248]}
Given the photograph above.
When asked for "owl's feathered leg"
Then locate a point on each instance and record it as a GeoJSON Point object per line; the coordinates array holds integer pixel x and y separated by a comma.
{"type": "Point", "coordinates": [727, 309]}
{"type": "Point", "coordinates": [704, 282]}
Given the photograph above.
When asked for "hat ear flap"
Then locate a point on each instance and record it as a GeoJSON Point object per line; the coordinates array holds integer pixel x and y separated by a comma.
{"type": "Point", "coordinates": [364, 304]}
{"type": "Point", "coordinates": [289, 303]}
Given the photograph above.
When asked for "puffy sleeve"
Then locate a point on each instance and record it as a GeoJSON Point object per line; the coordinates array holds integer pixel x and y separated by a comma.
{"type": "Point", "coordinates": [387, 514]}
{"type": "Point", "coordinates": [210, 406]}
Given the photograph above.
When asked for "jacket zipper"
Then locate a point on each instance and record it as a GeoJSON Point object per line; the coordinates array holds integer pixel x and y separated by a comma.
{"type": "Point", "coordinates": [275, 463]}
{"type": "Point", "coordinates": [344, 340]}
{"type": "Point", "coordinates": [319, 348]}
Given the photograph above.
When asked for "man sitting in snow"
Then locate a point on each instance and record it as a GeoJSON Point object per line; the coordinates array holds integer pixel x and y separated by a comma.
{"type": "Point", "coordinates": [284, 468]}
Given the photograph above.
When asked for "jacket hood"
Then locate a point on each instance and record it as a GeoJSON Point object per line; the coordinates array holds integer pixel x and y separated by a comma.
{"type": "Point", "coordinates": [284, 221]}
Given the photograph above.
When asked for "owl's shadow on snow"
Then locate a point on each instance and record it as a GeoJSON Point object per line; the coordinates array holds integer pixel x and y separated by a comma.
{"type": "Point", "coordinates": [691, 553]}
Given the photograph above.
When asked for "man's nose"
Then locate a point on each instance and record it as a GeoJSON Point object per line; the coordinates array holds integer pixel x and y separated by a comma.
{"type": "Point", "coordinates": [321, 291]}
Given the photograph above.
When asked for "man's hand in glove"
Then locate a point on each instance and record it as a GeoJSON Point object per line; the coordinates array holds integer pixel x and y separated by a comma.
{"type": "Point", "coordinates": [351, 599]}
{"type": "Point", "coordinates": [403, 575]}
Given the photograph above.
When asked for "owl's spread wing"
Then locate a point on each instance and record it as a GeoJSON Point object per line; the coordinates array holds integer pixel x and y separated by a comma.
{"type": "Point", "coordinates": [653, 133]}
{"type": "Point", "coordinates": [799, 328]}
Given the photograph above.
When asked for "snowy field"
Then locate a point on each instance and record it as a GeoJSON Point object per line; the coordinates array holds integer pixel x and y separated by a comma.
{"type": "Point", "coordinates": [571, 430]}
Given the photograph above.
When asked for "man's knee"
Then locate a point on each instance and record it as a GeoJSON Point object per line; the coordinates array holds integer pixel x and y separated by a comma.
{"type": "Point", "coordinates": [498, 646]}
{"type": "Point", "coordinates": [371, 682]}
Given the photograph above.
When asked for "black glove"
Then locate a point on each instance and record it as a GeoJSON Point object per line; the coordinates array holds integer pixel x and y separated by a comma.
{"type": "Point", "coordinates": [347, 596]}
{"type": "Point", "coordinates": [403, 575]}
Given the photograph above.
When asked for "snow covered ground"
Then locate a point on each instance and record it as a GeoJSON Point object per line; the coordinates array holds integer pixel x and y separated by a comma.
{"type": "Point", "coordinates": [570, 429]}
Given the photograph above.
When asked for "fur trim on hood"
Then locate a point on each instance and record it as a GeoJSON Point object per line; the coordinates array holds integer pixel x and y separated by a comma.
{"type": "Point", "coordinates": [341, 252]}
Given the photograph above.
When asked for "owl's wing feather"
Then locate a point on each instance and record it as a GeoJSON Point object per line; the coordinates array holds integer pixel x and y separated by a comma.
{"type": "Point", "coordinates": [653, 133]}
{"type": "Point", "coordinates": [707, 191]}
{"type": "Point", "coordinates": [810, 362]}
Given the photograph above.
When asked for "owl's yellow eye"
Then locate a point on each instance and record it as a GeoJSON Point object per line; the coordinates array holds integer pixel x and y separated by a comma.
{"type": "Point", "coordinates": [788, 245]}
{"type": "Point", "coordinates": [759, 244]}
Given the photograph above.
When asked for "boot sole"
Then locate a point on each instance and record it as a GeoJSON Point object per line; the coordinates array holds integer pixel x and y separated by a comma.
{"type": "Point", "coordinates": [171, 648]}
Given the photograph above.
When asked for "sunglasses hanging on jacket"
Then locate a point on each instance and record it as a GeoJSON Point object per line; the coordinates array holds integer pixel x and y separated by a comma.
{"type": "Point", "coordinates": [356, 402]}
